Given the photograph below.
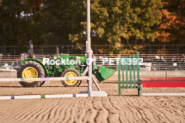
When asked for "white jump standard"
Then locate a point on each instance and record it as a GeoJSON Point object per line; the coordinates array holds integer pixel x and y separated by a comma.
{"type": "Point", "coordinates": [89, 78]}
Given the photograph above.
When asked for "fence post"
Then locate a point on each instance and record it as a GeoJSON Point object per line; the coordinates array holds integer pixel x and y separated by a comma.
{"type": "Point", "coordinates": [14, 51]}
{"type": "Point", "coordinates": [138, 66]}
{"type": "Point", "coordinates": [123, 49]}
{"type": "Point", "coordinates": [109, 49]}
{"type": "Point", "coordinates": [42, 50]}
{"type": "Point", "coordinates": [57, 49]}
{"type": "Point", "coordinates": [1, 50]}
{"type": "Point", "coordinates": [96, 48]}
{"type": "Point", "coordinates": [82, 50]}
{"type": "Point", "coordinates": [119, 81]}
{"type": "Point", "coordinates": [123, 80]}
{"type": "Point", "coordinates": [130, 67]}
{"type": "Point", "coordinates": [68, 49]}
{"type": "Point", "coordinates": [134, 71]}
{"type": "Point", "coordinates": [138, 79]}
{"type": "Point", "coordinates": [126, 72]}
{"type": "Point", "coordinates": [165, 70]}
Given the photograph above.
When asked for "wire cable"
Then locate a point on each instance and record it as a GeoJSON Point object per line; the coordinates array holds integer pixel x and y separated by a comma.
{"type": "Point", "coordinates": [119, 24]}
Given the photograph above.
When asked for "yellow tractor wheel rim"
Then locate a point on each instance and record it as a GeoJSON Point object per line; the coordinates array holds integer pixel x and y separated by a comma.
{"type": "Point", "coordinates": [29, 72]}
{"type": "Point", "coordinates": [70, 82]}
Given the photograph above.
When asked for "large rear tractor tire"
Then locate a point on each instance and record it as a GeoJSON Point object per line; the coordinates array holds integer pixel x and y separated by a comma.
{"type": "Point", "coordinates": [31, 69]}
{"type": "Point", "coordinates": [71, 73]}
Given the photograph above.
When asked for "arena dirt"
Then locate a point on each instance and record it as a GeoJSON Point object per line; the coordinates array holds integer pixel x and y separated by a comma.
{"type": "Point", "coordinates": [114, 109]}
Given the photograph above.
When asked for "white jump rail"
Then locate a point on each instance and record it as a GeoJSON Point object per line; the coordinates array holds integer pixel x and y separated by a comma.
{"type": "Point", "coordinates": [81, 94]}
{"type": "Point", "coordinates": [43, 79]}
{"type": "Point", "coordinates": [42, 96]}
{"type": "Point", "coordinates": [163, 94]}
{"type": "Point", "coordinates": [8, 70]}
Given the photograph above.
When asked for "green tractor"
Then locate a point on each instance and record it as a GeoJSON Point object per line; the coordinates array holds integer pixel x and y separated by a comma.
{"type": "Point", "coordinates": [34, 68]}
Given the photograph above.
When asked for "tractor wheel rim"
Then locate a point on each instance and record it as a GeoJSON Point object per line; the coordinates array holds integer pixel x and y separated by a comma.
{"type": "Point", "coordinates": [70, 82]}
{"type": "Point", "coordinates": [30, 72]}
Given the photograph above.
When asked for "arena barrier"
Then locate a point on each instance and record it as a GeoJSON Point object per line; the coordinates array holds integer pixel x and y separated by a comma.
{"type": "Point", "coordinates": [126, 81]}
{"type": "Point", "coordinates": [163, 82]}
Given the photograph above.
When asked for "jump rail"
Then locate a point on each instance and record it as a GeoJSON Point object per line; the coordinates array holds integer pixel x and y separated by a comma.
{"type": "Point", "coordinates": [163, 82]}
{"type": "Point", "coordinates": [81, 94]}
{"type": "Point", "coordinates": [42, 96]}
{"type": "Point", "coordinates": [43, 79]}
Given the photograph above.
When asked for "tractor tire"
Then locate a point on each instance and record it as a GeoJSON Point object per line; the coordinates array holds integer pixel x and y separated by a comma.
{"type": "Point", "coordinates": [71, 73]}
{"type": "Point", "coordinates": [31, 69]}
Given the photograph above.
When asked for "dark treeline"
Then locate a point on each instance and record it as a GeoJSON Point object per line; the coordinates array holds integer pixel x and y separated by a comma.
{"type": "Point", "coordinates": [61, 22]}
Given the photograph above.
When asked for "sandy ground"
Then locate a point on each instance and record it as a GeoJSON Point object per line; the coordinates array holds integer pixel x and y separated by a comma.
{"type": "Point", "coordinates": [114, 109]}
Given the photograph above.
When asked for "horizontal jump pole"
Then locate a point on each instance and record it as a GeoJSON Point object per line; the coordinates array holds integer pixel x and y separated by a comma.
{"type": "Point", "coordinates": [42, 96]}
{"type": "Point", "coordinates": [8, 70]}
{"type": "Point", "coordinates": [163, 84]}
{"type": "Point", "coordinates": [43, 79]}
{"type": "Point", "coordinates": [163, 94]}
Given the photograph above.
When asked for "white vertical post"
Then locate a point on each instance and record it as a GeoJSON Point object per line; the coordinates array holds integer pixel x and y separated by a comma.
{"type": "Point", "coordinates": [86, 45]}
{"type": "Point", "coordinates": [90, 92]}
{"type": "Point", "coordinates": [89, 46]}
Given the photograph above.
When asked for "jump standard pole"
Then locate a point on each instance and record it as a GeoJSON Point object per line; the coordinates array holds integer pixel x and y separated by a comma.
{"type": "Point", "coordinates": [89, 46]}
{"type": "Point", "coordinates": [90, 52]}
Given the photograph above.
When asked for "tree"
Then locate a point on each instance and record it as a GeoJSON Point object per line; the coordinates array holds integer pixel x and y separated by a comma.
{"type": "Point", "coordinates": [57, 19]}
{"type": "Point", "coordinates": [10, 13]}
{"type": "Point", "coordinates": [137, 21]}
{"type": "Point", "coordinates": [172, 28]}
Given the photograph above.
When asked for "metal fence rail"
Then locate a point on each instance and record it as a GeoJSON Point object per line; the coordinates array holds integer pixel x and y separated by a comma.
{"type": "Point", "coordinates": [172, 66]}
{"type": "Point", "coordinates": [153, 62]}
{"type": "Point", "coordinates": [146, 57]}
{"type": "Point", "coordinates": [157, 61]}
{"type": "Point", "coordinates": [98, 49]}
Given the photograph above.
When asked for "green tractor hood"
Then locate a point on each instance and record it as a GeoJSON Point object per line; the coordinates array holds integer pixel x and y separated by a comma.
{"type": "Point", "coordinates": [103, 73]}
